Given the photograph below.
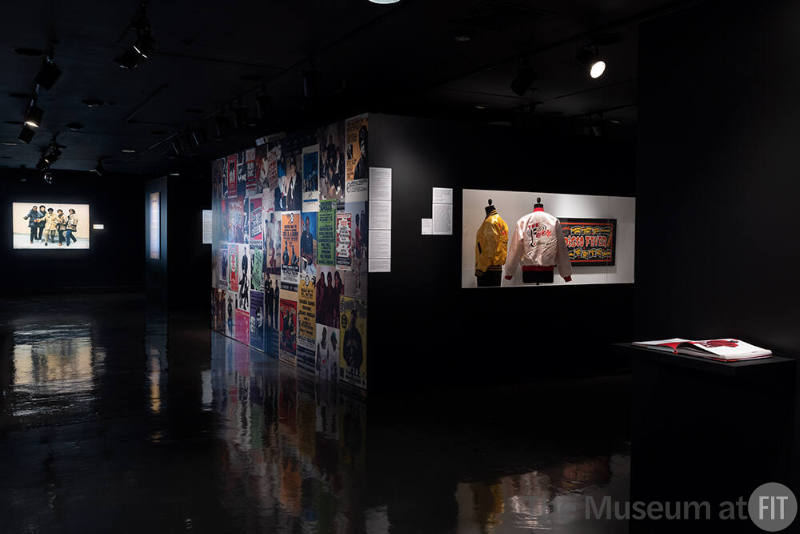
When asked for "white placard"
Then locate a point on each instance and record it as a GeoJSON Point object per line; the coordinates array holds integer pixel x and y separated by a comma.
{"type": "Point", "coordinates": [380, 183]}
{"type": "Point", "coordinates": [380, 265]}
{"type": "Point", "coordinates": [443, 219]}
{"type": "Point", "coordinates": [380, 244]}
{"type": "Point", "coordinates": [98, 227]}
{"type": "Point", "coordinates": [206, 227]}
{"type": "Point", "coordinates": [427, 226]}
{"type": "Point", "coordinates": [442, 195]}
{"type": "Point", "coordinates": [380, 215]}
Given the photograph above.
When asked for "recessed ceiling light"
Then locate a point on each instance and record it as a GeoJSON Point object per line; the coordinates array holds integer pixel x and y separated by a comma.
{"type": "Point", "coordinates": [481, 106]}
{"type": "Point", "coordinates": [128, 150]}
{"type": "Point", "coordinates": [462, 38]}
{"type": "Point", "coordinates": [384, 1]}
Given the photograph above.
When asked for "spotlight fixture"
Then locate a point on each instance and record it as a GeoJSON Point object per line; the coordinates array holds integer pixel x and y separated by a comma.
{"type": "Point", "coordinates": [525, 77]}
{"type": "Point", "coordinates": [98, 169]}
{"type": "Point", "coordinates": [48, 73]}
{"type": "Point", "coordinates": [33, 116]}
{"type": "Point", "coordinates": [26, 135]}
{"type": "Point", "coordinates": [590, 57]}
{"type": "Point", "coordinates": [47, 176]}
{"type": "Point", "coordinates": [142, 48]}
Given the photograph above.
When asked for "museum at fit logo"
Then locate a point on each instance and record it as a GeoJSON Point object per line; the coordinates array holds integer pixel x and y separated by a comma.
{"type": "Point", "coordinates": [772, 507]}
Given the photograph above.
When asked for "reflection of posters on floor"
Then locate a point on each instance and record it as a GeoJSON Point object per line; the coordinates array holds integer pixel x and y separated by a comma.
{"type": "Point", "coordinates": [257, 319]}
{"type": "Point", "coordinates": [326, 232]}
{"type": "Point", "coordinates": [311, 178]}
{"type": "Point", "coordinates": [232, 192]}
{"type": "Point", "coordinates": [257, 265]}
{"type": "Point", "coordinates": [272, 293]}
{"type": "Point", "coordinates": [251, 179]}
{"type": "Point", "coordinates": [327, 361]}
{"type": "Point", "coordinates": [290, 257]}
{"type": "Point", "coordinates": [331, 161]}
{"type": "Point", "coordinates": [243, 326]}
{"type": "Point", "coordinates": [288, 331]}
{"type": "Point", "coordinates": [306, 323]}
{"type": "Point", "coordinates": [308, 243]}
{"type": "Point", "coordinates": [256, 227]}
{"type": "Point", "coordinates": [344, 240]}
{"type": "Point", "coordinates": [357, 170]}
{"type": "Point", "coordinates": [353, 351]}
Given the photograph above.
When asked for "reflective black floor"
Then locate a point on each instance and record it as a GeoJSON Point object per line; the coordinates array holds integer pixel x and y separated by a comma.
{"type": "Point", "coordinates": [119, 420]}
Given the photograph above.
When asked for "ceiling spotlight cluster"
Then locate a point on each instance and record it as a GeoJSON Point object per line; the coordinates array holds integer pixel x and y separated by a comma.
{"type": "Point", "coordinates": [141, 49]}
{"type": "Point", "coordinates": [46, 78]}
{"type": "Point", "coordinates": [49, 156]}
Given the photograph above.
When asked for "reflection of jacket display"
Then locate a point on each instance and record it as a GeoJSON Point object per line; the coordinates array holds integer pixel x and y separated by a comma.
{"type": "Point", "coordinates": [537, 241]}
{"type": "Point", "coordinates": [491, 244]}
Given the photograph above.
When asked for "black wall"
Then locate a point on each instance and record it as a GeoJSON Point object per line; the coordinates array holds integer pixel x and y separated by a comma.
{"type": "Point", "coordinates": [718, 174]}
{"type": "Point", "coordinates": [425, 329]}
{"type": "Point", "coordinates": [115, 259]}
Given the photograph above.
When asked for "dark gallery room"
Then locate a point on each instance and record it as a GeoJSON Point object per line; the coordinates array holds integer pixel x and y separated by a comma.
{"type": "Point", "coordinates": [234, 297]}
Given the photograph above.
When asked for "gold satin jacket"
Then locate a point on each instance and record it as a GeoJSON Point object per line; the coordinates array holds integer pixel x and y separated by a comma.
{"type": "Point", "coordinates": [491, 244]}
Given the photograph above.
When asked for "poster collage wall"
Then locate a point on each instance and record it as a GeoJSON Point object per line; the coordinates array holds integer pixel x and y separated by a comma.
{"type": "Point", "coordinates": [289, 249]}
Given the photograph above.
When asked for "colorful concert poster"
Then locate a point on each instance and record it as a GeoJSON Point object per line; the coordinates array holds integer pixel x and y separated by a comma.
{"type": "Point", "coordinates": [311, 178]}
{"type": "Point", "coordinates": [290, 257]}
{"type": "Point", "coordinates": [344, 240]}
{"type": "Point", "coordinates": [326, 233]}
{"type": "Point", "coordinates": [288, 331]}
{"type": "Point", "coordinates": [306, 327]}
{"type": "Point", "coordinates": [356, 166]}
{"type": "Point", "coordinates": [353, 351]}
{"type": "Point", "coordinates": [331, 161]}
{"type": "Point", "coordinates": [257, 319]}
{"type": "Point", "coordinates": [232, 193]}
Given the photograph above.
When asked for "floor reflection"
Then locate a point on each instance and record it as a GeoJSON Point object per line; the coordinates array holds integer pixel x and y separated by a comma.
{"type": "Point", "coordinates": [553, 499]}
{"type": "Point", "coordinates": [294, 450]}
{"type": "Point", "coordinates": [115, 418]}
{"type": "Point", "coordinates": [53, 369]}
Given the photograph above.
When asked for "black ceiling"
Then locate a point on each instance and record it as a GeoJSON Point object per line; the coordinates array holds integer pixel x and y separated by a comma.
{"type": "Point", "coordinates": [425, 57]}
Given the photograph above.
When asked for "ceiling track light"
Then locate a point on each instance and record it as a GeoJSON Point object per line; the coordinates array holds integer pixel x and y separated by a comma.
{"type": "Point", "coordinates": [142, 47]}
{"type": "Point", "coordinates": [49, 73]}
{"type": "Point", "coordinates": [525, 77]}
{"type": "Point", "coordinates": [26, 134]}
{"type": "Point", "coordinates": [99, 170]}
